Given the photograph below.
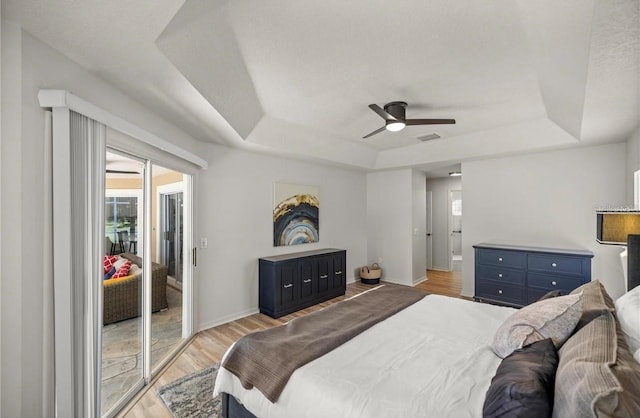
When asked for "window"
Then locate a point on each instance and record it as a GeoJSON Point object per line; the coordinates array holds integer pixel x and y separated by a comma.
{"type": "Point", "coordinates": [456, 207]}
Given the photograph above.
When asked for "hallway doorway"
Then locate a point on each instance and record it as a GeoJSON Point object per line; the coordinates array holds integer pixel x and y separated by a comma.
{"type": "Point", "coordinates": [455, 230]}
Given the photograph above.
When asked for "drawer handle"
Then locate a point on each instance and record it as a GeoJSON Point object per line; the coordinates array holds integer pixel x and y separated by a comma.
{"type": "Point", "coordinates": [500, 275]}
{"type": "Point", "coordinates": [286, 286]}
{"type": "Point", "coordinates": [324, 277]}
{"type": "Point", "coordinates": [339, 272]}
{"type": "Point", "coordinates": [500, 259]}
{"type": "Point", "coordinates": [307, 281]}
{"type": "Point", "coordinates": [554, 283]}
{"type": "Point", "coordinates": [500, 291]}
{"type": "Point", "coordinates": [554, 265]}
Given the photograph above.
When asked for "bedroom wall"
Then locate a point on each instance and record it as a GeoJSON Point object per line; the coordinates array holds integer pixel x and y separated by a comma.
{"type": "Point", "coordinates": [545, 199]}
{"type": "Point", "coordinates": [235, 200]}
{"type": "Point", "coordinates": [10, 184]}
{"type": "Point", "coordinates": [389, 224]}
{"type": "Point", "coordinates": [440, 188]}
{"type": "Point", "coordinates": [0, 202]}
{"type": "Point", "coordinates": [419, 227]}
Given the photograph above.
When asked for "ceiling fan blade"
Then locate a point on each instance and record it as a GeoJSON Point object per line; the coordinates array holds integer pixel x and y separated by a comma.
{"type": "Point", "coordinates": [377, 131]}
{"type": "Point", "coordinates": [410, 122]}
{"type": "Point", "coordinates": [121, 172]}
{"type": "Point", "coordinates": [380, 111]}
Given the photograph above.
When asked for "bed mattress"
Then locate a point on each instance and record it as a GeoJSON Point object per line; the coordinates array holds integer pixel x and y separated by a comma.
{"type": "Point", "coordinates": [433, 358]}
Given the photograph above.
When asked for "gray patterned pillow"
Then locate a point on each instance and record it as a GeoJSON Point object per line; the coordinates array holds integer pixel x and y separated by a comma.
{"type": "Point", "coordinates": [553, 318]}
{"type": "Point", "coordinates": [595, 300]}
{"type": "Point", "coordinates": [597, 376]}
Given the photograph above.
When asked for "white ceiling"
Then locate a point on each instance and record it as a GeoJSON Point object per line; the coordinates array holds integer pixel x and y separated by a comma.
{"type": "Point", "coordinates": [295, 77]}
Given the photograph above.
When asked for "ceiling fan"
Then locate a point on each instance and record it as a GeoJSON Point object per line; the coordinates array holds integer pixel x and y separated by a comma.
{"type": "Point", "coordinates": [394, 118]}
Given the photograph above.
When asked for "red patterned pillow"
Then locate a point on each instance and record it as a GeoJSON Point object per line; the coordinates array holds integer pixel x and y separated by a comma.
{"type": "Point", "coordinates": [123, 270]}
{"type": "Point", "coordinates": [109, 260]}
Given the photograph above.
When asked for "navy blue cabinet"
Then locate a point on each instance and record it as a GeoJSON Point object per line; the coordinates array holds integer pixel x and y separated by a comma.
{"type": "Point", "coordinates": [518, 275]}
{"type": "Point", "coordinates": [291, 282]}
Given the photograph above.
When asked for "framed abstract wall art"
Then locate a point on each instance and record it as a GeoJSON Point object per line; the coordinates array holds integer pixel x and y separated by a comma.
{"type": "Point", "coordinates": [295, 214]}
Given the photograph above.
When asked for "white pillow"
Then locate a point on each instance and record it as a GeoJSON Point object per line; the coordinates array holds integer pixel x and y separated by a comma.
{"type": "Point", "coordinates": [119, 262]}
{"type": "Point", "coordinates": [134, 269]}
{"type": "Point", "coordinates": [628, 312]}
{"type": "Point", "coordinates": [553, 318]}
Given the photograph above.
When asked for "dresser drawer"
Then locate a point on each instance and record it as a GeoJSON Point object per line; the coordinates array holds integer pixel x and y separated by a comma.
{"type": "Point", "coordinates": [499, 274]}
{"type": "Point", "coordinates": [491, 290]}
{"type": "Point", "coordinates": [553, 282]}
{"type": "Point", "coordinates": [534, 294]}
{"type": "Point", "coordinates": [502, 258]}
{"type": "Point", "coordinates": [555, 264]}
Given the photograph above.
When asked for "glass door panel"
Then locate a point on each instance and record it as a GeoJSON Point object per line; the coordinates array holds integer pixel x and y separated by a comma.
{"type": "Point", "coordinates": [168, 240]}
{"type": "Point", "coordinates": [122, 329]}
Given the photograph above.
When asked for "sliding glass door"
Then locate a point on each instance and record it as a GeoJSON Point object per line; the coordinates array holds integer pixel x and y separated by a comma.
{"type": "Point", "coordinates": [145, 294]}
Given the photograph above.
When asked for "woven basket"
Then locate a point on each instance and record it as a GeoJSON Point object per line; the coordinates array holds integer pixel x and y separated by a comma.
{"type": "Point", "coordinates": [372, 272]}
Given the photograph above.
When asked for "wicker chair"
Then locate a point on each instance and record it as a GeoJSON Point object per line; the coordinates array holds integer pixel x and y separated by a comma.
{"type": "Point", "coordinates": [122, 297]}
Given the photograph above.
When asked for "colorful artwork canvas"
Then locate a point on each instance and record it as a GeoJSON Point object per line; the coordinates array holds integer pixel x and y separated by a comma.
{"type": "Point", "coordinates": [295, 214]}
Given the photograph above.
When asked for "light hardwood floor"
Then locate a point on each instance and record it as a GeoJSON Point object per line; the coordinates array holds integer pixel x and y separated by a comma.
{"type": "Point", "coordinates": [448, 283]}
{"type": "Point", "coordinates": [208, 346]}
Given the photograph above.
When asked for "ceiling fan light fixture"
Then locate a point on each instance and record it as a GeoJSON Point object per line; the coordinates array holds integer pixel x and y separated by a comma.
{"type": "Point", "coordinates": [395, 126]}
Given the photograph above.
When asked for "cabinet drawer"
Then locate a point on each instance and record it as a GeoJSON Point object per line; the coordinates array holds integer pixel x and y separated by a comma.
{"type": "Point", "coordinates": [553, 282]}
{"type": "Point", "coordinates": [502, 275]}
{"type": "Point", "coordinates": [502, 258]}
{"type": "Point", "coordinates": [500, 292]}
{"type": "Point", "coordinates": [556, 264]}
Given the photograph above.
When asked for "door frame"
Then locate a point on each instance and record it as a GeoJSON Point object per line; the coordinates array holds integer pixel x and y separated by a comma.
{"type": "Point", "coordinates": [450, 227]}
{"type": "Point", "coordinates": [429, 229]}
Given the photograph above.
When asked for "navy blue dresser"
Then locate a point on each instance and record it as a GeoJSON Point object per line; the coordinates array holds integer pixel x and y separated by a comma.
{"type": "Point", "coordinates": [291, 282]}
{"type": "Point", "coordinates": [517, 275]}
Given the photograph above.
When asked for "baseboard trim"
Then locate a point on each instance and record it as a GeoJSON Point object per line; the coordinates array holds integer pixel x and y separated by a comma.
{"type": "Point", "coordinates": [387, 280]}
{"type": "Point", "coordinates": [419, 280]}
{"type": "Point", "coordinates": [227, 318]}
{"type": "Point", "coordinates": [440, 269]}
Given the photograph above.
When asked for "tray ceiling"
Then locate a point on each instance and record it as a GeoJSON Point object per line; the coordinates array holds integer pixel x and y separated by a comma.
{"type": "Point", "coordinates": [295, 78]}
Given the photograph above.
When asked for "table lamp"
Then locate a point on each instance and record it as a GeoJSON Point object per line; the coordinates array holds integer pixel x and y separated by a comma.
{"type": "Point", "coordinates": [622, 227]}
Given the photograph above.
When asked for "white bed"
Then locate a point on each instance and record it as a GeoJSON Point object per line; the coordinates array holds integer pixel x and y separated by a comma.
{"type": "Point", "coordinates": [430, 359]}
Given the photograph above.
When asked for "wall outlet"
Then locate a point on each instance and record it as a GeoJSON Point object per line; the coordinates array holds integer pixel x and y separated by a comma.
{"type": "Point", "coordinates": [379, 260]}
{"type": "Point", "coordinates": [203, 243]}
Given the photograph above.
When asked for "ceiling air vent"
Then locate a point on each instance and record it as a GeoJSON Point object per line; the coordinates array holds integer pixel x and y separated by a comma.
{"type": "Point", "coordinates": [429, 137]}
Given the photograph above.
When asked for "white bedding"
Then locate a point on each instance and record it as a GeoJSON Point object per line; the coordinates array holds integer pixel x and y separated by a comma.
{"type": "Point", "coordinates": [433, 359]}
